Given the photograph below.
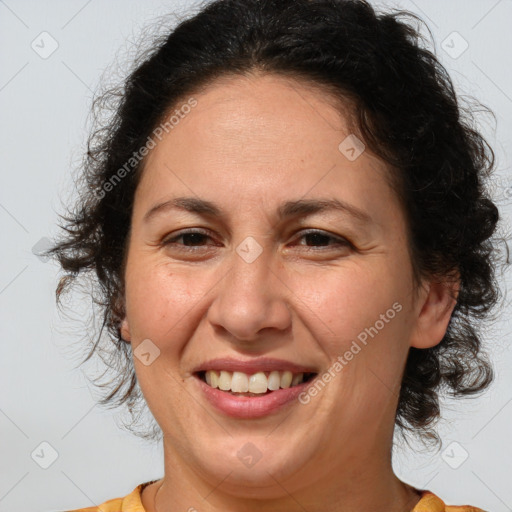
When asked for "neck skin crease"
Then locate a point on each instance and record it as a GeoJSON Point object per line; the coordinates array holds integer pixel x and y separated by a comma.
{"type": "Point", "coordinates": [363, 491]}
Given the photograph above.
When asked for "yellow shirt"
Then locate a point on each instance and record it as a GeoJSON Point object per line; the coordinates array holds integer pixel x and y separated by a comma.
{"type": "Point", "coordinates": [429, 502]}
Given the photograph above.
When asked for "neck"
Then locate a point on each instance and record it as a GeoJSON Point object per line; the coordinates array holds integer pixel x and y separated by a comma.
{"type": "Point", "coordinates": [365, 486]}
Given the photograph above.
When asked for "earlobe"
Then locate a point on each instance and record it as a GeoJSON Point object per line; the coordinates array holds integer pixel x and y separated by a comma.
{"type": "Point", "coordinates": [435, 313]}
{"type": "Point", "coordinates": [125, 330]}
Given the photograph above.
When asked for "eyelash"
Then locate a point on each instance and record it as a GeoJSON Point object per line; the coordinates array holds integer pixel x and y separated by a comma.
{"type": "Point", "coordinates": [342, 242]}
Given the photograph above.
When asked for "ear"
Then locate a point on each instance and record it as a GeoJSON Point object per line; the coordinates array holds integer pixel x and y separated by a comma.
{"type": "Point", "coordinates": [434, 309]}
{"type": "Point", "coordinates": [125, 330]}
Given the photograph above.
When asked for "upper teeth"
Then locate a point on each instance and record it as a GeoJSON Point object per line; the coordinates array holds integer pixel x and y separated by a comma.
{"type": "Point", "coordinates": [239, 382]}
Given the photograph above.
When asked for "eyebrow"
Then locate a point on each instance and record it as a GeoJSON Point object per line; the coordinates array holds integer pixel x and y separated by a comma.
{"type": "Point", "coordinates": [300, 207]}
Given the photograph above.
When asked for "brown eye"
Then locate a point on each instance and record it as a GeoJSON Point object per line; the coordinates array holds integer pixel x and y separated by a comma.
{"type": "Point", "coordinates": [191, 239]}
{"type": "Point", "coordinates": [322, 239]}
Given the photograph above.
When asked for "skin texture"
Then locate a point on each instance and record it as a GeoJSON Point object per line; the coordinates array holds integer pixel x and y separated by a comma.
{"type": "Point", "coordinates": [250, 144]}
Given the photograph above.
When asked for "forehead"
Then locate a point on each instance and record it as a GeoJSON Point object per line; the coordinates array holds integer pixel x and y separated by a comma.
{"type": "Point", "coordinates": [256, 108]}
{"type": "Point", "coordinates": [259, 138]}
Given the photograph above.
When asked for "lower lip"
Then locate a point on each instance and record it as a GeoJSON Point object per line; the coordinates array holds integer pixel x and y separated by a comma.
{"type": "Point", "coordinates": [247, 407]}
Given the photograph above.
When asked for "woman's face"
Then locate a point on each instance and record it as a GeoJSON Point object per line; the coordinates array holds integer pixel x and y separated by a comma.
{"type": "Point", "coordinates": [254, 285]}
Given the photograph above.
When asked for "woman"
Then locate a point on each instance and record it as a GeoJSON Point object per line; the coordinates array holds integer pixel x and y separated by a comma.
{"type": "Point", "coordinates": [288, 225]}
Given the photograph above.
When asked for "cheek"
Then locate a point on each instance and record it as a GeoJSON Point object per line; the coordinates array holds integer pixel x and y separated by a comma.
{"type": "Point", "coordinates": [336, 304]}
{"type": "Point", "coordinates": [157, 297]}
{"type": "Point", "coordinates": [358, 318]}
{"type": "Point", "coordinates": [340, 304]}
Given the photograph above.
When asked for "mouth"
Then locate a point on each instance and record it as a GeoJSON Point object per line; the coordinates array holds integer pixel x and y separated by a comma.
{"type": "Point", "coordinates": [253, 385]}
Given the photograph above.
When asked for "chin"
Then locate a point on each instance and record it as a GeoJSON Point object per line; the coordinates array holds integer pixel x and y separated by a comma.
{"type": "Point", "coordinates": [253, 474]}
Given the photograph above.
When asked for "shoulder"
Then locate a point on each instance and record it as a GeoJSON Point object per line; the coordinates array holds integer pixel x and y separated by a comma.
{"type": "Point", "coordinates": [430, 502]}
{"type": "Point", "coordinates": [129, 503]}
{"type": "Point", "coordinates": [463, 508]}
{"type": "Point", "coordinates": [108, 506]}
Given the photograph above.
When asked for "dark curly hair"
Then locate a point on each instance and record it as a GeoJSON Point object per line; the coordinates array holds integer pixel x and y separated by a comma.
{"type": "Point", "coordinates": [404, 108]}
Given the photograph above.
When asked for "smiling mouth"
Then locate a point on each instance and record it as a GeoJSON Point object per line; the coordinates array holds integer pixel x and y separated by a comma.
{"type": "Point", "coordinates": [257, 384]}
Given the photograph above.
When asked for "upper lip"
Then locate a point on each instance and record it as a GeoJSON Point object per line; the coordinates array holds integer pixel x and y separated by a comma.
{"type": "Point", "coordinates": [252, 366]}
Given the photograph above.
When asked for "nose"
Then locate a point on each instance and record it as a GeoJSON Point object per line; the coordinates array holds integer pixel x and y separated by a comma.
{"type": "Point", "coordinates": [251, 300]}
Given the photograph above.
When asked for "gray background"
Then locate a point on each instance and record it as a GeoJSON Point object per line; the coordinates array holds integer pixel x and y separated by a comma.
{"type": "Point", "coordinates": [44, 103]}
